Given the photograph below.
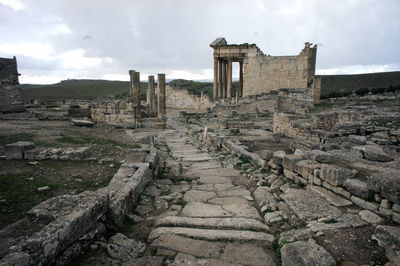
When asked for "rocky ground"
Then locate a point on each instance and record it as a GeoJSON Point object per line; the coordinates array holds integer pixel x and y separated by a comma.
{"type": "Point", "coordinates": [207, 211]}
{"type": "Point", "coordinates": [38, 180]}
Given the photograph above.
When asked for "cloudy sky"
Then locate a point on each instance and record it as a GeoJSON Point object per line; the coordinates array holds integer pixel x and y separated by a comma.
{"type": "Point", "coordinates": [59, 39]}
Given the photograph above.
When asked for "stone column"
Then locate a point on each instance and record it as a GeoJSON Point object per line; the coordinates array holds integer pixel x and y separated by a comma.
{"type": "Point", "coordinates": [223, 80]}
{"type": "Point", "coordinates": [151, 100]}
{"type": "Point", "coordinates": [135, 88]}
{"type": "Point", "coordinates": [229, 79]}
{"type": "Point", "coordinates": [219, 78]}
{"type": "Point", "coordinates": [161, 110]}
{"type": "Point", "coordinates": [131, 85]}
{"type": "Point", "coordinates": [240, 79]}
{"type": "Point", "coordinates": [215, 85]}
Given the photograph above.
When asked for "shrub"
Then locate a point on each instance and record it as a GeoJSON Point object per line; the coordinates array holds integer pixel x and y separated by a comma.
{"type": "Point", "coordinates": [362, 91]}
{"type": "Point", "coordinates": [378, 90]}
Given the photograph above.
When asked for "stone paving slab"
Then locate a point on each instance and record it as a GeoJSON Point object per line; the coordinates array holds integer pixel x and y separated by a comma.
{"type": "Point", "coordinates": [199, 195]}
{"type": "Point", "coordinates": [228, 200]}
{"type": "Point", "coordinates": [215, 180]}
{"type": "Point", "coordinates": [216, 223]}
{"type": "Point", "coordinates": [308, 205]}
{"type": "Point", "coordinates": [198, 248]}
{"type": "Point", "coordinates": [331, 197]}
{"type": "Point", "coordinates": [199, 209]}
{"type": "Point", "coordinates": [214, 235]}
{"type": "Point", "coordinates": [242, 210]}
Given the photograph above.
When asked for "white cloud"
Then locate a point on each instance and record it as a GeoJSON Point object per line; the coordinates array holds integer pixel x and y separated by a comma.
{"type": "Point", "coordinates": [358, 69]}
{"type": "Point", "coordinates": [32, 49]}
{"type": "Point", "coordinates": [14, 4]}
{"type": "Point", "coordinates": [76, 59]}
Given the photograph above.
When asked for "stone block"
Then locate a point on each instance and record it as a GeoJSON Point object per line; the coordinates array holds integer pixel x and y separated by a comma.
{"type": "Point", "coordinates": [124, 190]}
{"type": "Point", "coordinates": [31, 154]}
{"type": "Point", "coordinates": [357, 187]}
{"type": "Point", "coordinates": [320, 156]}
{"type": "Point", "coordinates": [265, 154]}
{"type": "Point", "coordinates": [342, 192]}
{"type": "Point", "coordinates": [306, 253]}
{"type": "Point", "coordinates": [386, 183]}
{"type": "Point", "coordinates": [356, 139]}
{"type": "Point", "coordinates": [15, 151]}
{"type": "Point", "coordinates": [364, 204]}
{"type": "Point", "coordinates": [335, 175]}
{"type": "Point", "coordinates": [278, 157]}
{"type": "Point", "coordinates": [289, 161]}
{"type": "Point", "coordinates": [372, 153]}
{"type": "Point", "coordinates": [396, 207]}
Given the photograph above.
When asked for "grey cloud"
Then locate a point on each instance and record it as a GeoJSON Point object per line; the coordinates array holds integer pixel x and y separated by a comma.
{"type": "Point", "coordinates": [174, 34]}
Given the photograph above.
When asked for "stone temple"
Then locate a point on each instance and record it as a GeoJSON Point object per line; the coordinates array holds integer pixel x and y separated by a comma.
{"type": "Point", "coordinates": [260, 73]}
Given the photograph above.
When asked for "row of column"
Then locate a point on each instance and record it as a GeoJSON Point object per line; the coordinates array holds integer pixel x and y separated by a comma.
{"type": "Point", "coordinates": [223, 79]}
{"type": "Point", "coordinates": [156, 105]}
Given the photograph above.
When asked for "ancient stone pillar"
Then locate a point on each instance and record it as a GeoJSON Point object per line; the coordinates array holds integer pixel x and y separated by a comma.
{"type": "Point", "coordinates": [220, 86]}
{"type": "Point", "coordinates": [215, 85]}
{"type": "Point", "coordinates": [229, 79]}
{"type": "Point", "coordinates": [240, 79]}
{"type": "Point", "coordinates": [135, 88]}
{"type": "Point", "coordinates": [131, 84]}
{"type": "Point", "coordinates": [151, 96]}
{"type": "Point", "coordinates": [161, 110]}
{"type": "Point", "coordinates": [223, 80]}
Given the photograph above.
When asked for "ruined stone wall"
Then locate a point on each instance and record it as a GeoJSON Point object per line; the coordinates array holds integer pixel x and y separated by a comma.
{"type": "Point", "coordinates": [178, 98]}
{"type": "Point", "coordinates": [267, 73]}
{"type": "Point", "coordinates": [118, 112]}
{"type": "Point", "coordinates": [326, 121]}
{"type": "Point", "coordinates": [10, 94]}
{"type": "Point", "coordinates": [288, 100]}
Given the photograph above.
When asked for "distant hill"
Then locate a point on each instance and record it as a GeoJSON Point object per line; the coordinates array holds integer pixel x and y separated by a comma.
{"type": "Point", "coordinates": [330, 83]}
{"type": "Point", "coordinates": [78, 89]}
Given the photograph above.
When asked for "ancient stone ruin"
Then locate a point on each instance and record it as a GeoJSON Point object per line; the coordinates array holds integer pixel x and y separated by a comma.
{"type": "Point", "coordinates": [10, 94]}
{"type": "Point", "coordinates": [131, 112]}
{"type": "Point", "coordinates": [260, 73]}
{"type": "Point", "coordinates": [268, 174]}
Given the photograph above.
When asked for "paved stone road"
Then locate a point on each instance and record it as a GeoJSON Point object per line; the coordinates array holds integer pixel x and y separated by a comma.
{"type": "Point", "coordinates": [218, 224]}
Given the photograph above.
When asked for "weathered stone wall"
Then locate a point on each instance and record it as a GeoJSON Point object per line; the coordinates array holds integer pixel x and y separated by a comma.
{"type": "Point", "coordinates": [122, 113]}
{"type": "Point", "coordinates": [179, 98]}
{"type": "Point", "coordinates": [10, 94]}
{"type": "Point", "coordinates": [288, 100]}
{"type": "Point", "coordinates": [267, 73]}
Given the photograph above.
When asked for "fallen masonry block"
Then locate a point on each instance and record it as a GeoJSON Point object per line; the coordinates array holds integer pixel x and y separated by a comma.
{"type": "Point", "coordinates": [124, 189]}
{"type": "Point", "coordinates": [372, 153]}
{"type": "Point", "coordinates": [289, 161]}
{"type": "Point", "coordinates": [335, 175]}
{"type": "Point", "coordinates": [82, 123]}
{"type": "Point", "coordinates": [306, 253]}
{"type": "Point", "coordinates": [70, 217]}
{"type": "Point", "coordinates": [15, 151]}
{"type": "Point", "coordinates": [357, 187]}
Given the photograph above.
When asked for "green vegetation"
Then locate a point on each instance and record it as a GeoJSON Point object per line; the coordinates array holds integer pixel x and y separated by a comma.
{"type": "Point", "coordinates": [331, 221]}
{"type": "Point", "coordinates": [100, 89]}
{"type": "Point", "coordinates": [7, 139]}
{"type": "Point", "coordinates": [94, 140]}
{"type": "Point", "coordinates": [359, 92]}
{"type": "Point", "coordinates": [389, 124]}
{"type": "Point", "coordinates": [180, 202]}
{"type": "Point", "coordinates": [17, 201]}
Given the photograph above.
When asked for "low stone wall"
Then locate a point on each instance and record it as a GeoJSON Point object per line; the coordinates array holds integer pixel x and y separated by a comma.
{"type": "Point", "coordinates": [315, 169]}
{"type": "Point", "coordinates": [288, 100]}
{"type": "Point", "coordinates": [178, 98]}
{"type": "Point", "coordinates": [66, 224]}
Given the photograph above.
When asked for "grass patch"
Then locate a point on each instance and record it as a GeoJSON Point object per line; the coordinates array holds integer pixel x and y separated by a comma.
{"type": "Point", "coordinates": [7, 139]}
{"type": "Point", "coordinates": [280, 199]}
{"type": "Point", "coordinates": [18, 201]}
{"type": "Point", "coordinates": [180, 202]}
{"type": "Point", "coordinates": [321, 107]}
{"type": "Point", "coordinates": [331, 221]}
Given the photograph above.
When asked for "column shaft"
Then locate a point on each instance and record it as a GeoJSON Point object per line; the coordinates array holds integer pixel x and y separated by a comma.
{"type": "Point", "coordinates": [219, 94]}
{"type": "Point", "coordinates": [240, 79]}
{"type": "Point", "coordinates": [229, 79]}
{"type": "Point", "coordinates": [215, 85]}
{"type": "Point", "coordinates": [151, 100]}
{"type": "Point", "coordinates": [161, 108]}
{"type": "Point", "coordinates": [223, 80]}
